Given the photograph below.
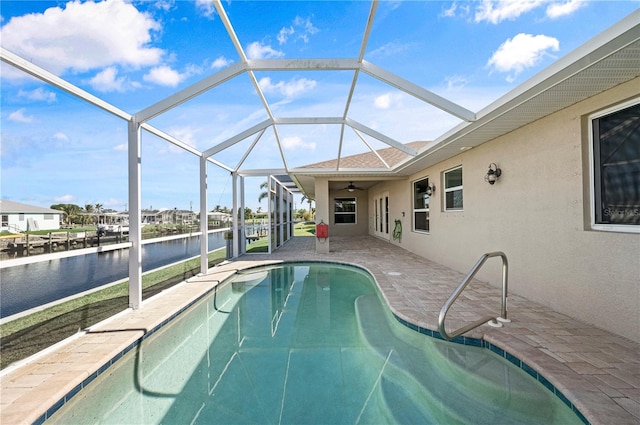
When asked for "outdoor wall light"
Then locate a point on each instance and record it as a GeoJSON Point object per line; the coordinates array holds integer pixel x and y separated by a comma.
{"type": "Point", "coordinates": [431, 189]}
{"type": "Point", "coordinates": [493, 173]}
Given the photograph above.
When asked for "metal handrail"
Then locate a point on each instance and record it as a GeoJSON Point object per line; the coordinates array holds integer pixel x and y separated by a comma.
{"type": "Point", "coordinates": [496, 322]}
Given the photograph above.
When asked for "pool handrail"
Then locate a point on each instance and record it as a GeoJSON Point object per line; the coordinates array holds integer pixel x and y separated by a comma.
{"type": "Point", "coordinates": [496, 322]}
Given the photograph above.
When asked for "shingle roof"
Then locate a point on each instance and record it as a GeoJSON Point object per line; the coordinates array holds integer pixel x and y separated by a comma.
{"type": "Point", "coordinates": [7, 206]}
{"type": "Point", "coordinates": [391, 156]}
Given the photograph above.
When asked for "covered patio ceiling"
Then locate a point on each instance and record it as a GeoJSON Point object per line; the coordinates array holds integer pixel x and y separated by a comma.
{"type": "Point", "coordinates": [607, 60]}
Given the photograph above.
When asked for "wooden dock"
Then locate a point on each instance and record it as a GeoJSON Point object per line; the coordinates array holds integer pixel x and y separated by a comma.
{"type": "Point", "coordinates": [58, 241]}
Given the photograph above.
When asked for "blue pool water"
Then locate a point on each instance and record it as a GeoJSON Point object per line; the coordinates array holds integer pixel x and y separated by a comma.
{"type": "Point", "coordinates": [307, 344]}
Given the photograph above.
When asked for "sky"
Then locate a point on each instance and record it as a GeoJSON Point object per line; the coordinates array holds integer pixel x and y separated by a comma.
{"type": "Point", "coordinates": [55, 148]}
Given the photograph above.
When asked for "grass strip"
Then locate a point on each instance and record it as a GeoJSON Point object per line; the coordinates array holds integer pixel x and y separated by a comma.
{"type": "Point", "coordinates": [307, 228]}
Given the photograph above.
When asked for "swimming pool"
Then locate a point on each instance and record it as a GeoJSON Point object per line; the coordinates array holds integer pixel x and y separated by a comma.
{"type": "Point", "coordinates": [306, 343]}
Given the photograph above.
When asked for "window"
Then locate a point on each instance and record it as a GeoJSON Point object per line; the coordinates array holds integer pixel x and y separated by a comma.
{"type": "Point", "coordinates": [421, 206]}
{"type": "Point", "coordinates": [5, 220]}
{"type": "Point", "coordinates": [453, 190]}
{"type": "Point", "coordinates": [345, 210]}
{"type": "Point", "coordinates": [615, 153]}
{"type": "Point", "coordinates": [48, 216]}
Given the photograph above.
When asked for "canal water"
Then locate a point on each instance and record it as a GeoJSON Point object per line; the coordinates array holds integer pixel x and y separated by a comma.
{"type": "Point", "coordinates": [27, 286]}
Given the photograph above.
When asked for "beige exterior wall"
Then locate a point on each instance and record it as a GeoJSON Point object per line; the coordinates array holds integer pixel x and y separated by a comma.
{"type": "Point", "coordinates": [537, 213]}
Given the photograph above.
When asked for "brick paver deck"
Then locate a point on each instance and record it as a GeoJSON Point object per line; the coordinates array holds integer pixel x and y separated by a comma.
{"type": "Point", "coordinates": [597, 371]}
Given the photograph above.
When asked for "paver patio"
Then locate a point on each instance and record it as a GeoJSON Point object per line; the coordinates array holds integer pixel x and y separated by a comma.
{"type": "Point", "coordinates": [597, 371]}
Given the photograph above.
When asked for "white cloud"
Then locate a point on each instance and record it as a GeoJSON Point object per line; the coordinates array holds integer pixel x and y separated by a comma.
{"type": "Point", "coordinates": [296, 142]}
{"type": "Point", "coordinates": [456, 82]}
{"type": "Point", "coordinates": [393, 5]}
{"type": "Point", "coordinates": [389, 49]}
{"type": "Point", "coordinates": [257, 50]}
{"type": "Point", "coordinates": [186, 134]}
{"type": "Point", "coordinates": [221, 62]}
{"type": "Point", "coordinates": [164, 76]}
{"type": "Point", "coordinates": [455, 10]}
{"type": "Point", "coordinates": [107, 81]}
{"type": "Point", "coordinates": [206, 8]}
{"type": "Point", "coordinates": [114, 203]}
{"type": "Point", "coordinates": [556, 10]}
{"type": "Point", "coordinates": [284, 34]}
{"type": "Point", "coordinates": [501, 10]}
{"type": "Point", "coordinates": [121, 147]}
{"type": "Point", "coordinates": [64, 199]}
{"type": "Point", "coordinates": [289, 89]}
{"type": "Point", "coordinates": [389, 100]}
{"type": "Point", "coordinates": [84, 36]}
{"type": "Point", "coordinates": [301, 27]}
{"type": "Point", "coordinates": [521, 52]}
{"type": "Point", "coordinates": [451, 11]}
{"type": "Point", "coordinates": [164, 5]}
{"type": "Point", "coordinates": [60, 137]}
{"type": "Point", "coordinates": [382, 102]}
{"type": "Point", "coordinates": [306, 26]}
{"type": "Point", "coordinates": [496, 11]}
{"type": "Point", "coordinates": [39, 95]}
{"type": "Point", "coordinates": [19, 116]}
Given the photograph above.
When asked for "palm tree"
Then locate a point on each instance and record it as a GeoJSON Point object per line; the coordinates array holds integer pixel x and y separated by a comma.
{"type": "Point", "coordinates": [88, 209]}
{"type": "Point", "coordinates": [264, 193]}
{"type": "Point", "coordinates": [71, 211]}
{"type": "Point", "coordinates": [309, 201]}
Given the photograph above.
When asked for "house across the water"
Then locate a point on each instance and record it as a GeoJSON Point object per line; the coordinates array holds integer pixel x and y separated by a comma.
{"type": "Point", "coordinates": [18, 217]}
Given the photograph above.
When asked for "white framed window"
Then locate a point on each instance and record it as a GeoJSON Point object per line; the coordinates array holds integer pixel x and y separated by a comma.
{"type": "Point", "coordinates": [421, 205]}
{"type": "Point", "coordinates": [453, 189]}
{"type": "Point", "coordinates": [345, 211]}
{"type": "Point", "coordinates": [614, 136]}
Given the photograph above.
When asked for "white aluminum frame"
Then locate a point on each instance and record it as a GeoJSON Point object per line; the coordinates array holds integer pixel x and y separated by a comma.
{"type": "Point", "coordinates": [620, 228]}
{"type": "Point", "coordinates": [446, 190]}
{"type": "Point", "coordinates": [492, 120]}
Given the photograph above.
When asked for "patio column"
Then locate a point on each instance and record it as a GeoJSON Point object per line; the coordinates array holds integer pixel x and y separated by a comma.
{"type": "Point", "coordinates": [235, 220]}
{"type": "Point", "coordinates": [204, 217]}
{"type": "Point", "coordinates": [135, 228]}
{"type": "Point", "coordinates": [323, 212]}
{"type": "Point", "coordinates": [242, 244]}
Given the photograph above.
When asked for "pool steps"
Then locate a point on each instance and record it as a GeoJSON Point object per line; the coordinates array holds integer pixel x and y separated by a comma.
{"type": "Point", "coordinates": [469, 395]}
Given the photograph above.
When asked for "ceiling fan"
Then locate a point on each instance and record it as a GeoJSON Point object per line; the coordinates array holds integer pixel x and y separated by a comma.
{"type": "Point", "coordinates": [352, 187]}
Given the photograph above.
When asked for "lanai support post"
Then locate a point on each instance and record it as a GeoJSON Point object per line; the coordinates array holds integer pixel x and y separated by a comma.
{"type": "Point", "coordinates": [322, 212]}
{"type": "Point", "coordinates": [234, 226]}
{"type": "Point", "coordinates": [204, 218]}
{"type": "Point", "coordinates": [242, 243]}
{"type": "Point", "coordinates": [135, 232]}
{"type": "Point", "coordinates": [281, 223]}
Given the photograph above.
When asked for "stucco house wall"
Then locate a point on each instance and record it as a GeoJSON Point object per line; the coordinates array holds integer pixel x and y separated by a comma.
{"type": "Point", "coordinates": [537, 213]}
{"type": "Point", "coordinates": [362, 207]}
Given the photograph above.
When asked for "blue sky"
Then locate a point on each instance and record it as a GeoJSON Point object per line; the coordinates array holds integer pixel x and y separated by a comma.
{"type": "Point", "coordinates": [57, 149]}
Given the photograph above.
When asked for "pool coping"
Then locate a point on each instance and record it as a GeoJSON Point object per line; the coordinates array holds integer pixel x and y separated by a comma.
{"type": "Point", "coordinates": [594, 404]}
